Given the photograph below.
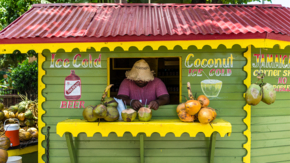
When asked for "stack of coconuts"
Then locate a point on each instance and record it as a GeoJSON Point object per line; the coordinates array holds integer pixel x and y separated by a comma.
{"type": "Point", "coordinates": [107, 110]}
{"type": "Point", "coordinates": [25, 112]}
{"type": "Point", "coordinates": [4, 145]}
{"type": "Point", "coordinates": [144, 114]}
{"type": "Point", "coordinates": [260, 92]}
{"type": "Point", "coordinates": [196, 110]}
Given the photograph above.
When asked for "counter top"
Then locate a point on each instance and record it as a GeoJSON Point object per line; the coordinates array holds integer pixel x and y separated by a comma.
{"type": "Point", "coordinates": [76, 126]}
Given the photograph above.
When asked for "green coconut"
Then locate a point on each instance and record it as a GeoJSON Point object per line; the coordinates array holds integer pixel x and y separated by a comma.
{"type": "Point", "coordinates": [28, 114]}
{"type": "Point", "coordinates": [268, 94]}
{"type": "Point", "coordinates": [100, 111]}
{"type": "Point", "coordinates": [21, 108]}
{"type": "Point", "coordinates": [89, 115]}
{"type": "Point", "coordinates": [14, 108]}
{"type": "Point", "coordinates": [29, 122]}
{"type": "Point", "coordinates": [144, 114]}
{"type": "Point", "coordinates": [128, 115]}
{"type": "Point", "coordinates": [112, 114]}
{"type": "Point", "coordinates": [109, 101]}
{"type": "Point", "coordinates": [1, 106]}
{"type": "Point", "coordinates": [254, 94]}
{"type": "Point", "coordinates": [2, 116]}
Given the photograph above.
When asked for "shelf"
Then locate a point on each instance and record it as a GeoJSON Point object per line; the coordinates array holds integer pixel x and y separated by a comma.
{"type": "Point", "coordinates": [76, 126]}
{"type": "Point", "coordinates": [22, 151]}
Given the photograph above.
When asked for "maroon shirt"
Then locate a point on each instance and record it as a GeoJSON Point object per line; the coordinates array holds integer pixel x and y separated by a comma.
{"type": "Point", "coordinates": [150, 92]}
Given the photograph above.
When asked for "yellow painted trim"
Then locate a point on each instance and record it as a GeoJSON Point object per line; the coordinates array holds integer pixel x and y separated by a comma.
{"type": "Point", "coordinates": [108, 76]}
{"type": "Point", "coordinates": [68, 47]}
{"type": "Point", "coordinates": [175, 126]}
{"type": "Point", "coordinates": [22, 151]}
{"type": "Point", "coordinates": [180, 80]}
{"type": "Point", "coordinates": [41, 100]}
{"type": "Point", "coordinates": [248, 68]}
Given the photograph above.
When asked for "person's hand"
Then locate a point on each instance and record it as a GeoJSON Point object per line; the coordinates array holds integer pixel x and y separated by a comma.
{"type": "Point", "coordinates": [136, 104]}
{"type": "Point", "coordinates": [153, 105]}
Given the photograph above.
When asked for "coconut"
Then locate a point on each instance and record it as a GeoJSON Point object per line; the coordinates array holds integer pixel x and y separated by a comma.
{"type": "Point", "coordinates": [11, 114]}
{"type": "Point", "coordinates": [21, 130]}
{"type": "Point", "coordinates": [192, 107]}
{"type": "Point", "coordinates": [33, 131]}
{"type": "Point", "coordinates": [3, 156]}
{"type": "Point", "coordinates": [28, 114]}
{"type": "Point", "coordinates": [21, 116]}
{"type": "Point", "coordinates": [109, 101]}
{"type": "Point", "coordinates": [2, 116]}
{"type": "Point", "coordinates": [25, 136]}
{"type": "Point", "coordinates": [4, 142]}
{"type": "Point", "coordinates": [180, 107]}
{"type": "Point", "coordinates": [204, 101]}
{"type": "Point", "coordinates": [6, 114]}
{"type": "Point", "coordinates": [128, 115]}
{"type": "Point", "coordinates": [112, 114]}
{"type": "Point", "coordinates": [1, 106]}
{"type": "Point", "coordinates": [253, 95]}
{"type": "Point", "coordinates": [13, 109]}
{"type": "Point", "coordinates": [88, 114]}
{"type": "Point", "coordinates": [29, 122]}
{"type": "Point", "coordinates": [205, 115]}
{"type": "Point", "coordinates": [21, 108]}
{"type": "Point", "coordinates": [184, 117]}
{"type": "Point", "coordinates": [268, 94]}
{"type": "Point", "coordinates": [144, 114]}
{"type": "Point", "coordinates": [100, 111]}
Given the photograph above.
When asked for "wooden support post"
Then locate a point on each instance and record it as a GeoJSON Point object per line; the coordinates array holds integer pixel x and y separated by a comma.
{"type": "Point", "coordinates": [212, 147]}
{"type": "Point", "coordinates": [142, 147]}
{"type": "Point", "coordinates": [70, 146]}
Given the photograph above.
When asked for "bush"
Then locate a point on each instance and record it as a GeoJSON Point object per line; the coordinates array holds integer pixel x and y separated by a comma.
{"type": "Point", "coordinates": [25, 78]}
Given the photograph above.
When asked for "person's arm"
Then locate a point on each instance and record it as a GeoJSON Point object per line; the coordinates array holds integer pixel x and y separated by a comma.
{"type": "Point", "coordinates": [135, 104]}
{"type": "Point", "coordinates": [161, 100]}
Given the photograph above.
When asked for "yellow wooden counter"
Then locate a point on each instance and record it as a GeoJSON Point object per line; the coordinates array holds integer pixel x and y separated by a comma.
{"type": "Point", "coordinates": [22, 151]}
{"type": "Point", "coordinates": [72, 127]}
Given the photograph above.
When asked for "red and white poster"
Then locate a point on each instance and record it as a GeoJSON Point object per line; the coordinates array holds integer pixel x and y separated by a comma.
{"type": "Point", "coordinates": [72, 87]}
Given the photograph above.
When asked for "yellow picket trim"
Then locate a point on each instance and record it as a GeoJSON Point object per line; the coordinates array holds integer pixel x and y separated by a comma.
{"type": "Point", "coordinates": [41, 100]}
{"type": "Point", "coordinates": [175, 126]}
{"type": "Point", "coordinates": [68, 47]}
{"type": "Point", "coordinates": [22, 151]}
{"type": "Point", "coordinates": [247, 108]}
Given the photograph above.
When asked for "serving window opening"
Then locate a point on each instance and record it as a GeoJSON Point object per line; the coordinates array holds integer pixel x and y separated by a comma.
{"type": "Point", "coordinates": [166, 69]}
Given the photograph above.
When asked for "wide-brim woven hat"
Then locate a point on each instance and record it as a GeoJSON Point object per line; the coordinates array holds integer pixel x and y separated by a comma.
{"type": "Point", "coordinates": [140, 71]}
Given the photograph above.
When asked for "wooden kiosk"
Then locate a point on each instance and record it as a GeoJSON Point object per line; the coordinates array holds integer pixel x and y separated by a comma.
{"type": "Point", "coordinates": [214, 47]}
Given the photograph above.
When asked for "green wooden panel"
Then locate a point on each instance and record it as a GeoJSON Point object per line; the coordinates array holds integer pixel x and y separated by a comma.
{"type": "Point", "coordinates": [270, 120]}
{"type": "Point", "coordinates": [80, 72]}
{"type": "Point", "coordinates": [270, 112]}
{"type": "Point", "coordinates": [85, 80]}
{"type": "Point", "coordinates": [270, 143]}
{"type": "Point", "coordinates": [228, 88]}
{"type": "Point", "coordinates": [270, 151]}
{"type": "Point", "coordinates": [235, 71]}
{"type": "Point", "coordinates": [271, 127]}
{"type": "Point", "coordinates": [30, 158]}
{"type": "Point", "coordinates": [270, 135]}
{"type": "Point", "coordinates": [60, 96]}
{"type": "Point", "coordinates": [279, 103]}
{"type": "Point", "coordinates": [85, 88]}
{"type": "Point", "coordinates": [46, 65]}
{"type": "Point", "coordinates": [271, 158]}
{"type": "Point", "coordinates": [97, 159]}
{"type": "Point", "coordinates": [162, 152]}
{"type": "Point", "coordinates": [224, 79]}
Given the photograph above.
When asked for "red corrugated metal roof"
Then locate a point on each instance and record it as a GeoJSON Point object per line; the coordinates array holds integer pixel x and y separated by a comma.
{"type": "Point", "coordinates": [105, 20]}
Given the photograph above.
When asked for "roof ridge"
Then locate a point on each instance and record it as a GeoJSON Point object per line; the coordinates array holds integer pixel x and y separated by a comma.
{"type": "Point", "coordinates": [155, 4]}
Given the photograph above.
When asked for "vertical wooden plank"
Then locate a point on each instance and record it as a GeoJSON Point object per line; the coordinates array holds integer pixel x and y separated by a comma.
{"type": "Point", "coordinates": [70, 146]}
{"type": "Point", "coordinates": [142, 148]}
{"type": "Point", "coordinates": [108, 75]}
{"type": "Point", "coordinates": [212, 147]}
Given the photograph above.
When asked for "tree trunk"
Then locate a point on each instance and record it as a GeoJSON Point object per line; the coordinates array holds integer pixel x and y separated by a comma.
{"type": "Point", "coordinates": [122, 1]}
{"type": "Point", "coordinates": [198, 1]}
{"type": "Point", "coordinates": [214, 1]}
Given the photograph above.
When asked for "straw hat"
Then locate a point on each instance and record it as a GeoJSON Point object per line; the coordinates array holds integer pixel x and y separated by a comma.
{"type": "Point", "coordinates": [140, 71]}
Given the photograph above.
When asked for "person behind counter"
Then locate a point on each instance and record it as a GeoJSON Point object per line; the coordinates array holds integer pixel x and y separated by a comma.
{"type": "Point", "coordinates": [140, 86]}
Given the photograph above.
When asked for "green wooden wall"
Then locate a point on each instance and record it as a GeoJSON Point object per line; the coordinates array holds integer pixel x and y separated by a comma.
{"type": "Point", "coordinates": [271, 123]}
{"type": "Point", "coordinates": [229, 105]}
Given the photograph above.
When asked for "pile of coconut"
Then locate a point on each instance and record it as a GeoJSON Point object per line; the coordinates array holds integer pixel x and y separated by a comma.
{"type": "Point", "coordinates": [196, 110]}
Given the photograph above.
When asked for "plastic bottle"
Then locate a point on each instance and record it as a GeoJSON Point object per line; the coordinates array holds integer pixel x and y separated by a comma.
{"type": "Point", "coordinates": [72, 87]}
